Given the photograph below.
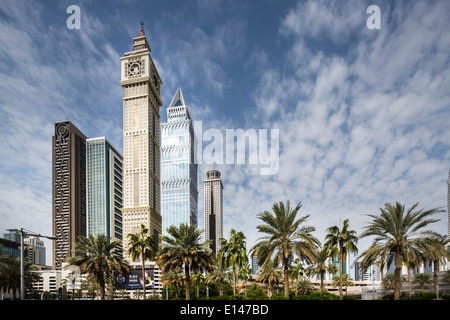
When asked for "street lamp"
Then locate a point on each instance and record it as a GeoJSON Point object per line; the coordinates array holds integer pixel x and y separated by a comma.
{"type": "Point", "coordinates": [24, 233]}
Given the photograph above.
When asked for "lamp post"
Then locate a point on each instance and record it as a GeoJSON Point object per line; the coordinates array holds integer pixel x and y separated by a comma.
{"type": "Point", "coordinates": [24, 233]}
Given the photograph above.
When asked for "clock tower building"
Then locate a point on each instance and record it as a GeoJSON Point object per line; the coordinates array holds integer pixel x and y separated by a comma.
{"type": "Point", "coordinates": [141, 141]}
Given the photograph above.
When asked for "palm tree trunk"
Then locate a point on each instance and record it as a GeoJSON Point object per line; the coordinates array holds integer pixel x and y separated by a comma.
{"type": "Point", "coordinates": [435, 276]}
{"type": "Point", "coordinates": [188, 282]}
{"type": "Point", "coordinates": [102, 289]}
{"type": "Point", "coordinates": [286, 278]}
{"type": "Point", "coordinates": [143, 273]}
{"type": "Point", "coordinates": [397, 271]}
{"type": "Point", "coordinates": [198, 287]}
{"type": "Point", "coordinates": [234, 278]}
{"type": "Point", "coordinates": [321, 280]}
{"type": "Point", "coordinates": [340, 272]}
{"type": "Point", "coordinates": [409, 281]}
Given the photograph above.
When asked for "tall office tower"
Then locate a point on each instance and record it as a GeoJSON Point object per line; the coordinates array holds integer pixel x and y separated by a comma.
{"type": "Point", "coordinates": [141, 147]}
{"type": "Point", "coordinates": [448, 203]}
{"type": "Point", "coordinates": [213, 208]}
{"type": "Point", "coordinates": [104, 189]}
{"type": "Point", "coordinates": [179, 195]}
{"type": "Point", "coordinates": [69, 190]}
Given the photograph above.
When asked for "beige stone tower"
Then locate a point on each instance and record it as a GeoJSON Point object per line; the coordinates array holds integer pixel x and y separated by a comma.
{"type": "Point", "coordinates": [141, 141]}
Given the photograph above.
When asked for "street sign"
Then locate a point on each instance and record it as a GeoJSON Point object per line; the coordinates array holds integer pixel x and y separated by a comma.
{"type": "Point", "coordinates": [269, 294]}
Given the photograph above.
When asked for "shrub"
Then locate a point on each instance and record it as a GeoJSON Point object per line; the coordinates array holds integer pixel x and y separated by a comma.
{"type": "Point", "coordinates": [317, 295]}
{"type": "Point", "coordinates": [427, 296]}
{"type": "Point", "coordinates": [237, 296]}
{"type": "Point", "coordinates": [255, 292]}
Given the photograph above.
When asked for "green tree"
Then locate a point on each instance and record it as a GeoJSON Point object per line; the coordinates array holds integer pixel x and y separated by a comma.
{"type": "Point", "coordinates": [343, 280]}
{"type": "Point", "coordinates": [422, 279]}
{"type": "Point", "coordinates": [304, 286]}
{"type": "Point", "coordinates": [98, 258]}
{"type": "Point", "coordinates": [219, 275]}
{"type": "Point", "coordinates": [321, 266]}
{"type": "Point", "coordinates": [388, 281]}
{"type": "Point", "coordinates": [184, 249]}
{"type": "Point", "coordinates": [197, 278]}
{"type": "Point", "coordinates": [10, 273]}
{"type": "Point", "coordinates": [296, 270]}
{"type": "Point", "coordinates": [435, 250]}
{"type": "Point", "coordinates": [397, 235]}
{"type": "Point", "coordinates": [233, 253]}
{"type": "Point", "coordinates": [174, 277]}
{"type": "Point", "coordinates": [143, 247]}
{"type": "Point", "coordinates": [284, 237]}
{"type": "Point", "coordinates": [341, 242]}
{"type": "Point", "coordinates": [270, 273]}
{"type": "Point", "coordinates": [446, 277]}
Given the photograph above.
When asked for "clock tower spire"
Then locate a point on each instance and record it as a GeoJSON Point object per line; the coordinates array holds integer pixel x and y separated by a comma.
{"type": "Point", "coordinates": [141, 141]}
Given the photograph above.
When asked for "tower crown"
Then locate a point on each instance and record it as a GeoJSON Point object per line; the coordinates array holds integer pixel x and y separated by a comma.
{"type": "Point", "coordinates": [177, 109]}
{"type": "Point", "coordinates": [140, 42]}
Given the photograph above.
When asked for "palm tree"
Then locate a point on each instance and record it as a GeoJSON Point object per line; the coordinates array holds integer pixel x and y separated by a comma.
{"type": "Point", "coordinates": [321, 266]}
{"type": "Point", "coordinates": [304, 286]}
{"type": "Point", "coordinates": [174, 277]}
{"type": "Point", "coordinates": [296, 270]}
{"type": "Point", "coordinates": [98, 258]}
{"type": "Point", "coordinates": [422, 279]}
{"type": "Point", "coordinates": [218, 275]}
{"type": "Point", "coordinates": [388, 281]}
{"type": "Point", "coordinates": [342, 280]}
{"type": "Point", "coordinates": [397, 236]}
{"type": "Point", "coordinates": [142, 247]}
{"type": "Point", "coordinates": [436, 251]}
{"type": "Point", "coordinates": [446, 277]}
{"type": "Point", "coordinates": [341, 242]}
{"type": "Point", "coordinates": [10, 273]}
{"type": "Point", "coordinates": [245, 274]}
{"type": "Point", "coordinates": [197, 277]}
{"type": "Point", "coordinates": [183, 249]}
{"type": "Point", "coordinates": [233, 253]}
{"type": "Point", "coordinates": [270, 273]}
{"type": "Point", "coordinates": [284, 238]}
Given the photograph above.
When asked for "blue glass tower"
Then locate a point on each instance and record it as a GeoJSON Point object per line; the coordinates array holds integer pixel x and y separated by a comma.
{"type": "Point", "coordinates": [179, 194]}
{"type": "Point", "coordinates": [104, 188]}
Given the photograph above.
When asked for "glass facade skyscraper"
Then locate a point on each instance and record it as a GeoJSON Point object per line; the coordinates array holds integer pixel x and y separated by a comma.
{"type": "Point", "coordinates": [104, 188]}
{"type": "Point", "coordinates": [179, 194]}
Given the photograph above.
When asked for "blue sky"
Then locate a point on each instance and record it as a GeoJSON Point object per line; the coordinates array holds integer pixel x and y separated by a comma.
{"type": "Point", "coordinates": [363, 114]}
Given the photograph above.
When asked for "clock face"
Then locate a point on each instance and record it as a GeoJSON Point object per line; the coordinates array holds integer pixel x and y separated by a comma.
{"type": "Point", "coordinates": [134, 68]}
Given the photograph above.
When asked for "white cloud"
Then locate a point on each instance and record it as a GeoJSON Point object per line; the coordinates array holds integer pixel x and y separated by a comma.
{"type": "Point", "coordinates": [371, 129]}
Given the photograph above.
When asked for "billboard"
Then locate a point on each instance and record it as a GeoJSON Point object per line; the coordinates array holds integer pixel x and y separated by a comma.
{"type": "Point", "coordinates": [133, 280]}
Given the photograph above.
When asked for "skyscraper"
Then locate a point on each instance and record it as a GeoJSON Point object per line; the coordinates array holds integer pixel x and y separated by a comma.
{"type": "Point", "coordinates": [213, 208]}
{"type": "Point", "coordinates": [178, 168]}
{"type": "Point", "coordinates": [69, 190]}
{"type": "Point", "coordinates": [141, 147]}
{"type": "Point", "coordinates": [104, 189]}
{"type": "Point", "coordinates": [448, 203]}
